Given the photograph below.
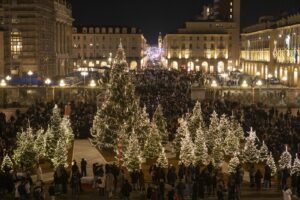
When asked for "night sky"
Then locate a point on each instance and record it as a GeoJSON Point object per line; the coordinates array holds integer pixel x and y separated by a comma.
{"type": "Point", "coordinates": [154, 16]}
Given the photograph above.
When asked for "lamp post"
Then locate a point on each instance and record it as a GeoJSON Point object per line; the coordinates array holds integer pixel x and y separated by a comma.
{"type": "Point", "coordinates": [62, 84]}
{"type": "Point", "coordinates": [84, 74]}
{"type": "Point", "coordinates": [48, 82]}
{"type": "Point", "coordinates": [8, 78]}
{"type": "Point", "coordinates": [30, 73]}
{"type": "Point", "coordinates": [214, 85]}
{"type": "Point", "coordinates": [244, 85]}
{"type": "Point", "coordinates": [3, 84]}
{"type": "Point", "coordinates": [259, 84]}
{"type": "Point", "coordinates": [93, 85]}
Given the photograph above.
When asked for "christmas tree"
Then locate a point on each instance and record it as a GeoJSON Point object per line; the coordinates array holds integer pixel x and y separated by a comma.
{"type": "Point", "coordinates": [201, 151]}
{"type": "Point", "coordinates": [250, 153]}
{"type": "Point", "coordinates": [231, 143]}
{"type": "Point", "coordinates": [25, 155]}
{"type": "Point", "coordinates": [224, 126]}
{"type": "Point", "coordinates": [187, 154]}
{"type": "Point", "coordinates": [160, 121]}
{"type": "Point", "coordinates": [181, 132]}
{"type": "Point", "coordinates": [142, 125]}
{"type": "Point", "coordinates": [233, 164]}
{"type": "Point", "coordinates": [217, 153]}
{"type": "Point", "coordinates": [264, 152]}
{"type": "Point", "coordinates": [296, 166]}
{"type": "Point", "coordinates": [120, 105]}
{"type": "Point", "coordinates": [285, 160]}
{"type": "Point", "coordinates": [162, 160]}
{"type": "Point", "coordinates": [60, 157]}
{"type": "Point", "coordinates": [7, 164]}
{"type": "Point", "coordinates": [195, 120]}
{"type": "Point", "coordinates": [213, 131]}
{"type": "Point", "coordinates": [66, 132]}
{"type": "Point", "coordinates": [55, 123]}
{"type": "Point", "coordinates": [236, 128]}
{"type": "Point", "coordinates": [39, 144]}
{"type": "Point", "coordinates": [50, 144]}
{"type": "Point", "coordinates": [132, 156]}
{"type": "Point", "coordinates": [271, 163]}
{"type": "Point", "coordinates": [153, 143]}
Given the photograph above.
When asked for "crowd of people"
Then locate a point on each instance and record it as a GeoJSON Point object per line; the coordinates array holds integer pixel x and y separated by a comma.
{"type": "Point", "coordinates": [171, 89]}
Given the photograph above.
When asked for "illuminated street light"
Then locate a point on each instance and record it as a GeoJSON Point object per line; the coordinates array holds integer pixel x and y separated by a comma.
{"type": "Point", "coordinates": [8, 78]}
{"type": "Point", "coordinates": [93, 83]}
{"type": "Point", "coordinates": [3, 83]}
{"type": "Point", "coordinates": [259, 83]}
{"type": "Point", "coordinates": [270, 75]}
{"type": "Point", "coordinates": [62, 83]}
{"type": "Point", "coordinates": [48, 81]}
{"type": "Point", "coordinates": [214, 84]}
{"type": "Point", "coordinates": [30, 73]}
{"type": "Point", "coordinates": [245, 84]}
{"type": "Point", "coordinates": [84, 74]}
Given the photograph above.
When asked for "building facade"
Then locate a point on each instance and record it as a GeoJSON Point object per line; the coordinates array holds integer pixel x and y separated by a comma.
{"type": "Point", "coordinates": [37, 36]}
{"type": "Point", "coordinates": [271, 48]}
{"type": "Point", "coordinates": [96, 46]}
{"type": "Point", "coordinates": [209, 43]}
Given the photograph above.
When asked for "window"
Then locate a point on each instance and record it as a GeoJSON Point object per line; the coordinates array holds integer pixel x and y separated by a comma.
{"type": "Point", "coordinates": [16, 43]}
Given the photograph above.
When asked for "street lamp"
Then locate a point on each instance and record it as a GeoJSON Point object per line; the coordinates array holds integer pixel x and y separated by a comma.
{"type": "Point", "coordinates": [62, 84]}
{"type": "Point", "coordinates": [92, 83]}
{"type": "Point", "coordinates": [48, 81]}
{"type": "Point", "coordinates": [3, 83]}
{"type": "Point", "coordinates": [8, 78]}
{"type": "Point", "coordinates": [259, 84]}
{"type": "Point", "coordinates": [214, 85]}
{"type": "Point", "coordinates": [245, 84]}
{"type": "Point", "coordinates": [84, 74]}
{"type": "Point", "coordinates": [30, 73]}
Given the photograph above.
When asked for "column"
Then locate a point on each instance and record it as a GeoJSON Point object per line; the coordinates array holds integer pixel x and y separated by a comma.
{"type": "Point", "coordinates": [57, 37]}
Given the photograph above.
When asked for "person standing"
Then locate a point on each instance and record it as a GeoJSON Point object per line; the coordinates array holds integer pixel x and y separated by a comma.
{"type": "Point", "coordinates": [287, 193]}
{"type": "Point", "coordinates": [109, 184]}
{"type": "Point", "coordinates": [126, 190]}
{"type": "Point", "coordinates": [258, 177]}
{"type": "Point", "coordinates": [83, 165]}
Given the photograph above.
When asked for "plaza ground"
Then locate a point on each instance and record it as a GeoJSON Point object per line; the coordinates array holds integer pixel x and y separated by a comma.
{"type": "Point", "coordinates": [83, 149]}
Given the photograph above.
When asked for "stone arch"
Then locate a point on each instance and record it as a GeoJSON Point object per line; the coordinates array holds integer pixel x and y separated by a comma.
{"type": "Point", "coordinates": [191, 66]}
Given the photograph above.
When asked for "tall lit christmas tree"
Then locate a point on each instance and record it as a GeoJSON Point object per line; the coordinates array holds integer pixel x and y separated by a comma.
{"type": "Point", "coordinates": [233, 164]}
{"type": "Point", "coordinates": [271, 163]}
{"type": "Point", "coordinates": [195, 120]}
{"type": "Point", "coordinates": [40, 143]}
{"type": "Point", "coordinates": [250, 153]}
{"type": "Point", "coordinates": [201, 151]}
{"type": "Point", "coordinates": [187, 150]}
{"type": "Point", "coordinates": [213, 132]}
{"type": "Point", "coordinates": [236, 128]}
{"type": "Point", "coordinates": [25, 155]}
{"type": "Point", "coordinates": [162, 160]}
{"type": "Point", "coordinates": [160, 121]}
{"type": "Point", "coordinates": [132, 156]}
{"type": "Point", "coordinates": [60, 157]}
{"type": "Point", "coordinates": [285, 161]}
{"type": "Point", "coordinates": [264, 152]}
{"type": "Point", "coordinates": [224, 126]}
{"type": "Point", "coordinates": [50, 143]}
{"type": "Point", "coordinates": [231, 143]}
{"type": "Point", "coordinates": [120, 105]}
{"type": "Point", "coordinates": [66, 132]}
{"type": "Point", "coordinates": [296, 166]}
{"type": "Point", "coordinates": [181, 133]}
{"type": "Point", "coordinates": [142, 125]}
{"type": "Point", "coordinates": [152, 146]}
{"type": "Point", "coordinates": [217, 154]}
{"type": "Point", "coordinates": [7, 163]}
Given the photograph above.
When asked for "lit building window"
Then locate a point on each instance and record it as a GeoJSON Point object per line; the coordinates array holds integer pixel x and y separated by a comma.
{"type": "Point", "coordinates": [16, 43]}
